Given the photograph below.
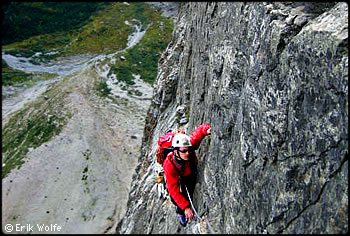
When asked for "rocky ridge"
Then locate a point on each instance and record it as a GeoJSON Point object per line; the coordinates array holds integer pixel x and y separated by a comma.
{"type": "Point", "coordinates": [272, 79]}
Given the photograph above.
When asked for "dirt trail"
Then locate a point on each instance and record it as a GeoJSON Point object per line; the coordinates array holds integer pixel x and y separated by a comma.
{"type": "Point", "coordinates": [80, 179]}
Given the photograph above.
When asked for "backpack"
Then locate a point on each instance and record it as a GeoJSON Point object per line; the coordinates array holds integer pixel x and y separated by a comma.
{"type": "Point", "coordinates": [165, 145]}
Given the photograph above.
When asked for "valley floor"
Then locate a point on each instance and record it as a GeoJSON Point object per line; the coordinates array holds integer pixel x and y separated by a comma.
{"type": "Point", "coordinates": [80, 179]}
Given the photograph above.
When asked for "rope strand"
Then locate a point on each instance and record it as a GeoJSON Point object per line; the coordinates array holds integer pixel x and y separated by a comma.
{"type": "Point", "coordinates": [195, 212]}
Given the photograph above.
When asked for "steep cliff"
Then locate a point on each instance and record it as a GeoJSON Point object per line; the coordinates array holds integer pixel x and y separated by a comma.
{"type": "Point", "coordinates": [272, 79]}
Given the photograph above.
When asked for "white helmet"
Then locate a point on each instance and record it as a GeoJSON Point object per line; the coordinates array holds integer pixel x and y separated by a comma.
{"type": "Point", "coordinates": [181, 140]}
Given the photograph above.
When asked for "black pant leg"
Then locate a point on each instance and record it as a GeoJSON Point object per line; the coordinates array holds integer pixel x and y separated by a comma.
{"type": "Point", "coordinates": [178, 209]}
{"type": "Point", "coordinates": [189, 182]}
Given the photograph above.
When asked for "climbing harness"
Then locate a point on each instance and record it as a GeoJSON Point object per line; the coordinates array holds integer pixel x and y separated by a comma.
{"type": "Point", "coordinates": [195, 212]}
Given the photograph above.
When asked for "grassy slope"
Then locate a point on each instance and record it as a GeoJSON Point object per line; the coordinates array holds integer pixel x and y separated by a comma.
{"type": "Point", "coordinates": [22, 20]}
{"type": "Point", "coordinates": [12, 76]}
{"type": "Point", "coordinates": [143, 58]}
{"type": "Point", "coordinates": [32, 126]}
{"type": "Point", "coordinates": [106, 32]}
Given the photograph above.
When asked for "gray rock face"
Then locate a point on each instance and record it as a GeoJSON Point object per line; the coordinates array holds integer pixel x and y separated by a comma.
{"type": "Point", "coordinates": [169, 9]}
{"type": "Point", "coordinates": [272, 79]}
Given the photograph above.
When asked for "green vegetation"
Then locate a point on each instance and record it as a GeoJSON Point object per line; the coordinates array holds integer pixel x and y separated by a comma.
{"type": "Point", "coordinates": [85, 176]}
{"type": "Point", "coordinates": [30, 127]}
{"type": "Point", "coordinates": [23, 20]}
{"type": "Point", "coordinates": [103, 89]}
{"type": "Point", "coordinates": [85, 218]}
{"type": "Point", "coordinates": [12, 76]}
{"type": "Point", "coordinates": [134, 92]}
{"type": "Point", "coordinates": [102, 30]}
{"type": "Point", "coordinates": [21, 134]}
{"type": "Point", "coordinates": [50, 30]}
{"type": "Point", "coordinates": [81, 36]}
{"type": "Point", "coordinates": [87, 154]}
{"type": "Point", "coordinates": [143, 58]}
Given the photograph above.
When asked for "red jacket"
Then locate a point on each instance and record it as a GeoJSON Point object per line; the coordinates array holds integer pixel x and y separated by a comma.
{"type": "Point", "coordinates": [172, 175]}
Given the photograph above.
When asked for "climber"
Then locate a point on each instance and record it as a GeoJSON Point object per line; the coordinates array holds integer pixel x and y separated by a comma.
{"type": "Point", "coordinates": [180, 167]}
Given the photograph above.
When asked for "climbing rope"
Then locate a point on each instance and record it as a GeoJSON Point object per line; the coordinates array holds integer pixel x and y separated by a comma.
{"type": "Point", "coordinates": [196, 214]}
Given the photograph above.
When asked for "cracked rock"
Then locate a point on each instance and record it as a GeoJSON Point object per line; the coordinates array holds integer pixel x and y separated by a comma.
{"type": "Point", "coordinates": [277, 158]}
